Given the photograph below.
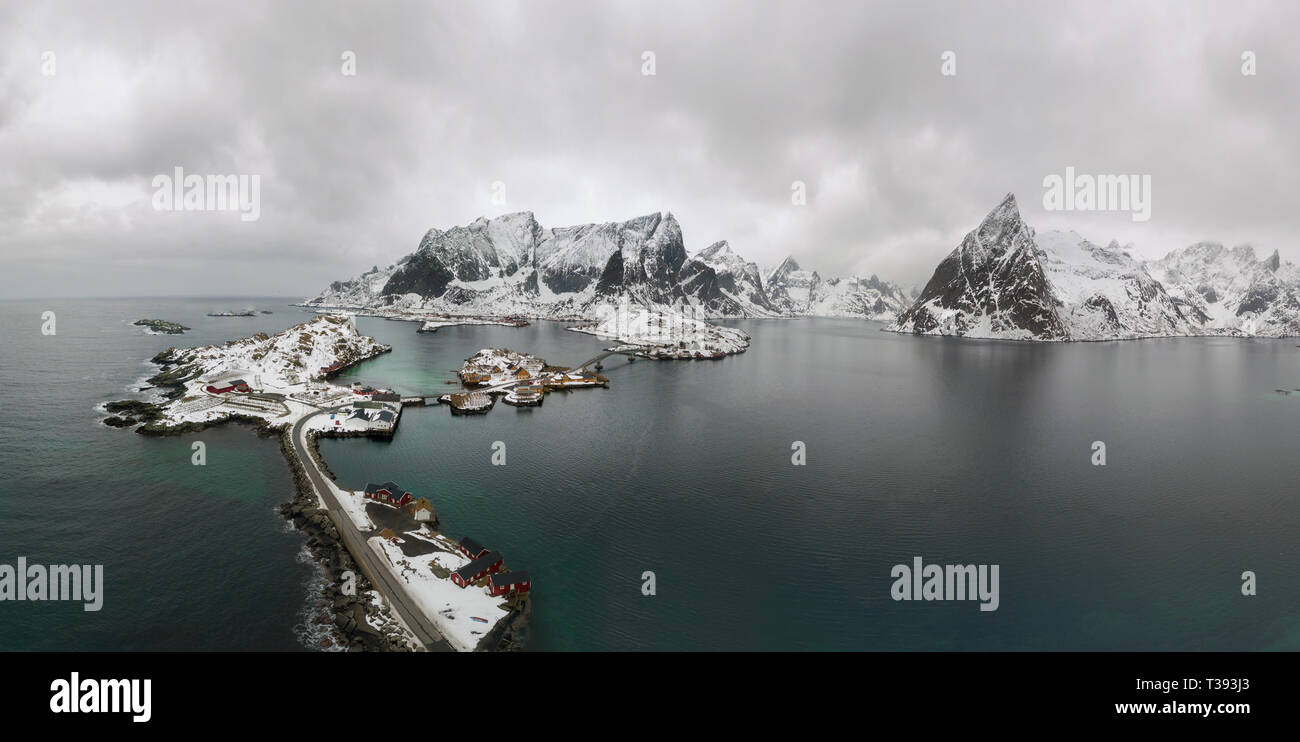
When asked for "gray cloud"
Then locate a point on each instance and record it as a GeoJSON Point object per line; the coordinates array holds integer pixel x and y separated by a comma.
{"type": "Point", "coordinates": [548, 98]}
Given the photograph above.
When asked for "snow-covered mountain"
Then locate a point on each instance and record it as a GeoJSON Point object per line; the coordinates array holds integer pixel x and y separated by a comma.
{"type": "Point", "coordinates": [1231, 289]}
{"type": "Point", "coordinates": [511, 265]}
{"type": "Point", "coordinates": [725, 284]}
{"type": "Point", "coordinates": [1005, 281]}
{"type": "Point", "coordinates": [801, 292]}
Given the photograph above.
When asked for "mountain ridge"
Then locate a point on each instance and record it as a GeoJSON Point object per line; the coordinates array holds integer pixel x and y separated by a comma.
{"type": "Point", "coordinates": [1006, 281]}
{"type": "Point", "coordinates": [512, 265]}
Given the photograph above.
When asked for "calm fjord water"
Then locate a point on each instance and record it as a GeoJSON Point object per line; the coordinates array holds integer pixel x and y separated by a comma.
{"type": "Point", "coordinates": [953, 450]}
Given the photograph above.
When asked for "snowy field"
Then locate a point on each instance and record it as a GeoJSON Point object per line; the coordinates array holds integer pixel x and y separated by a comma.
{"type": "Point", "coordinates": [448, 606]}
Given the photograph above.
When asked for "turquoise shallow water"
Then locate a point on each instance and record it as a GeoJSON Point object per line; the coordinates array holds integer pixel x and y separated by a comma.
{"type": "Point", "coordinates": [959, 451]}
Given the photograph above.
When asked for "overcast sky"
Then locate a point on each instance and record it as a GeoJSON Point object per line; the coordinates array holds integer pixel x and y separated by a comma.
{"type": "Point", "coordinates": [549, 98]}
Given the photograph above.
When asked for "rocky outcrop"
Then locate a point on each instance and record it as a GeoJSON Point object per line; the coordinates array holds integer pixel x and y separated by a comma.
{"type": "Point", "coordinates": [991, 285]}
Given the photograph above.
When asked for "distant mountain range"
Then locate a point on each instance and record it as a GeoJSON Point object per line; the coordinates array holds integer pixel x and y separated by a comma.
{"type": "Point", "coordinates": [511, 265]}
{"type": "Point", "coordinates": [1004, 281]}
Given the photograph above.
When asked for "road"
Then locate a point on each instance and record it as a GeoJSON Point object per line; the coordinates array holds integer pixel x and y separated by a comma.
{"type": "Point", "coordinates": [372, 564]}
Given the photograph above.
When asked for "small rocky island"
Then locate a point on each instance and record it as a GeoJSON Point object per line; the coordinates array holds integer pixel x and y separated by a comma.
{"type": "Point", "coordinates": [665, 335]}
{"type": "Point", "coordinates": [161, 326]}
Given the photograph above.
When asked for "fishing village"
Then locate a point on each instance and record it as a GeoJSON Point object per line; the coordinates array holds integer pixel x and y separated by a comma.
{"type": "Point", "coordinates": [395, 579]}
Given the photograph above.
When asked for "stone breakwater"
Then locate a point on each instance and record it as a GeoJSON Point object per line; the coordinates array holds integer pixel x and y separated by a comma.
{"type": "Point", "coordinates": [355, 616]}
{"type": "Point", "coordinates": [352, 629]}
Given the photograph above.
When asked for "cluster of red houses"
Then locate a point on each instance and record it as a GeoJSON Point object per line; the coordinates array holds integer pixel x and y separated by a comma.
{"type": "Point", "coordinates": [486, 563]}
{"type": "Point", "coordinates": [388, 493]}
{"type": "Point", "coordinates": [221, 387]}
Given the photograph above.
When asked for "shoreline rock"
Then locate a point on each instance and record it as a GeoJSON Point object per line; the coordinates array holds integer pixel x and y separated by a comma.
{"type": "Point", "coordinates": [162, 326]}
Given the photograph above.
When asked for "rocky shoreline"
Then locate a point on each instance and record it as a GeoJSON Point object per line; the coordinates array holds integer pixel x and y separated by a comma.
{"type": "Point", "coordinates": [351, 627]}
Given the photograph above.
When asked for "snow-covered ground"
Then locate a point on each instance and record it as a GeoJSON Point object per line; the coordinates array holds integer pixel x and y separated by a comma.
{"type": "Point", "coordinates": [448, 606]}
{"type": "Point", "coordinates": [282, 373]}
{"type": "Point", "coordinates": [665, 334]}
{"type": "Point", "coordinates": [354, 504]}
{"type": "Point", "coordinates": [363, 416]}
{"type": "Point", "coordinates": [491, 366]}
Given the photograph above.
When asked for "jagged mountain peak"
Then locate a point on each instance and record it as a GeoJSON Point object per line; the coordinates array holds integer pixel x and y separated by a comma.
{"type": "Point", "coordinates": [1005, 281]}
{"type": "Point", "coordinates": [720, 250]}
{"type": "Point", "coordinates": [991, 285]}
{"type": "Point", "coordinates": [785, 268]}
{"type": "Point", "coordinates": [1008, 208]}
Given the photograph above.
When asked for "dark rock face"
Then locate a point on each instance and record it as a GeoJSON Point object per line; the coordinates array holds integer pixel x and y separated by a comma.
{"type": "Point", "coordinates": [706, 285]}
{"type": "Point", "coordinates": [722, 281]}
{"type": "Point", "coordinates": [424, 274]}
{"type": "Point", "coordinates": [1102, 304]}
{"type": "Point", "coordinates": [993, 279]}
{"type": "Point", "coordinates": [1259, 298]}
{"type": "Point", "coordinates": [457, 295]}
{"type": "Point", "coordinates": [566, 283]}
{"type": "Point", "coordinates": [611, 279]}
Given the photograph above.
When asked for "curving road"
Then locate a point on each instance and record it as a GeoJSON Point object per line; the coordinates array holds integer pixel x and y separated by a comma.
{"type": "Point", "coordinates": [372, 565]}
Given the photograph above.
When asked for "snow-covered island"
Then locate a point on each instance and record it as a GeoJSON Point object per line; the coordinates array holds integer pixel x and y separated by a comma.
{"type": "Point", "coordinates": [269, 378]}
{"type": "Point", "coordinates": [661, 334]}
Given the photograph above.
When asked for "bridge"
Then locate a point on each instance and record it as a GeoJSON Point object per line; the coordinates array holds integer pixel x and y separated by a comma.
{"type": "Point", "coordinates": [424, 398]}
{"type": "Point", "coordinates": [626, 350]}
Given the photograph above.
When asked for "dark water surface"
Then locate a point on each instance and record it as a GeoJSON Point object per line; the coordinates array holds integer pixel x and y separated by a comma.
{"type": "Point", "coordinates": [957, 451]}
